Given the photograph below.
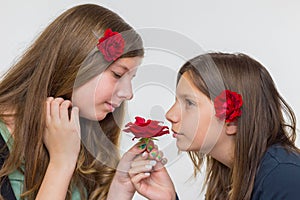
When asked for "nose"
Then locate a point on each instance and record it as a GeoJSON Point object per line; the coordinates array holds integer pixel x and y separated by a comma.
{"type": "Point", "coordinates": [173, 114]}
{"type": "Point", "coordinates": [125, 89]}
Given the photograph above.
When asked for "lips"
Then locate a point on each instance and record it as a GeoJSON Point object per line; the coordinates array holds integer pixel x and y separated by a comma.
{"type": "Point", "coordinates": [112, 106]}
{"type": "Point", "coordinates": [176, 134]}
{"type": "Point", "coordinates": [115, 105]}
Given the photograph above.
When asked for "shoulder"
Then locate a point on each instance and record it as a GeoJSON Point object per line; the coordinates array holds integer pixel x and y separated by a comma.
{"type": "Point", "coordinates": [281, 163]}
{"type": "Point", "coordinates": [5, 188]}
{"type": "Point", "coordinates": [3, 150]}
{"type": "Point", "coordinates": [279, 157]}
{"type": "Point", "coordinates": [279, 174]}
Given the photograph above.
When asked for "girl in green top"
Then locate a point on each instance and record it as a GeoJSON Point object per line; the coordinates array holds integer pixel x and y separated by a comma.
{"type": "Point", "coordinates": [62, 104]}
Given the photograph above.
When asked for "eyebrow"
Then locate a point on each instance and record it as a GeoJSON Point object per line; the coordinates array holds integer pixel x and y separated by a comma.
{"type": "Point", "coordinates": [122, 66]}
{"type": "Point", "coordinates": [183, 95]}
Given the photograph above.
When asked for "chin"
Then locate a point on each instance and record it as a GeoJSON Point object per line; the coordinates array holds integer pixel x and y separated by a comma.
{"type": "Point", "coordinates": [186, 146]}
{"type": "Point", "coordinates": [100, 116]}
{"type": "Point", "coordinates": [181, 146]}
{"type": "Point", "coordinates": [96, 117]}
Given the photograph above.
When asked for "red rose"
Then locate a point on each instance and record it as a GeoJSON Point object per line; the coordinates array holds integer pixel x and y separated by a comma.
{"type": "Point", "coordinates": [111, 45]}
{"type": "Point", "coordinates": [228, 105]}
{"type": "Point", "coordinates": [146, 129]}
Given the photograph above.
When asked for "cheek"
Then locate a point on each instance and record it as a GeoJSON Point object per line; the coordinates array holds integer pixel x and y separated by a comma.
{"type": "Point", "coordinates": [190, 128]}
{"type": "Point", "coordinates": [208, 135]}
{"type": "Point", "coordinates": [202, 130]}
{"type": "Point", "coordinates": [84, 95]}
{"type": "Point", "coordinates": [104, 89]}
{"type": "Point", "coordinates": [199, 134]}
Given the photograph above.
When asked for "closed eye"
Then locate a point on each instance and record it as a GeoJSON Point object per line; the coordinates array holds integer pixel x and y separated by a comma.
{"type": "Point", "coordinates": [116, 75]}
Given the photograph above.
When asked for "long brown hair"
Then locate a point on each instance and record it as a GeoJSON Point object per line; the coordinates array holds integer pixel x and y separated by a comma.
{"type": "Point", "coordinates": [261, 125]}
{"type": "Point", "coordinates": [50, 67]}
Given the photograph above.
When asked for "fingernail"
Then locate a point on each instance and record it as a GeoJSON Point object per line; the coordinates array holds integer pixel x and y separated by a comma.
{"type": "Point", "coordinates": [144, 154]}
{"type": "Point", "coordinates": [158, 157]}
{"type": "Point", "coordinates": [164, 161]}
{"type": "Point", "coordinates": [142, 146]}
{"type": "Point", "coordinates": [75, 108]}
{"type": "Point", "coordinates": [150, 147]}
{"type": "Point", "coordinates": [147, 174]}
{"type": "Point", "coordinates": [152, 162]}
{"type": "Point", "coordinates": [153, 154]}
{"type": "Point", "coordinates": [148, 166]}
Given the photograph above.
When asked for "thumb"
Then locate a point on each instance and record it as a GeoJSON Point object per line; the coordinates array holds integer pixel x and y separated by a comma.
{"type": "Point", "coordinates": [124, 164]}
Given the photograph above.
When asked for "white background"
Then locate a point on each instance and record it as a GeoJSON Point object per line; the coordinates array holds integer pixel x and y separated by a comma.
{"type": "Point", "coordinates": [267, 30]}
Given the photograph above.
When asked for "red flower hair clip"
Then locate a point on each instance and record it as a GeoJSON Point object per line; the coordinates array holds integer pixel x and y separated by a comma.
{"type": "Point", "coordinates": [146, 130]}
{"type": "Point", "coordinates": [111, 45]}
{"type": "Point", "coordinates": [228, 105]}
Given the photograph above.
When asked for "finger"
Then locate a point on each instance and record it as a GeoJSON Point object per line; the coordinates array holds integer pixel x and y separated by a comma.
{"type": "Point", "coordinates": [130, 155]}
{"type": "Point", "coordinates": [63, 109]}
{"type": "Point", "coordinates": [48, 108]}
{"type": "Point", "coordinates": [75, 119]}
{"type": "Point", "coordinates": [143, 156]}
{"type": "Point", "coordinates": [75, 114]}
{"type": "Point", "coordinates": [160, 165]}
{"type": "Point", "coordinates": [140, 169]}
{"type": "Point", "coordinates": [134, 151]}
{"type": "Point", "coordinates": [138, 178]}
{"type": "Point", "coordinates": [150, 146]}
{"type": "Point", "coordinates": [159, 156]}
{"type": "Point", "coordinates": [50, 99]}
{"type": "Point", "coordinates": [143, 163]}
{"type": "Point", "coordinates": [55, 107]}
{"type": "Point", "coordinates": [153, 153]}
{"type": "Point", "coordinates": [164, 161]}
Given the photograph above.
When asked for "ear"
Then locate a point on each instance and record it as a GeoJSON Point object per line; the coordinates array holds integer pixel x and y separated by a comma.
{"type": "Point", "coordinates": [231, 128]}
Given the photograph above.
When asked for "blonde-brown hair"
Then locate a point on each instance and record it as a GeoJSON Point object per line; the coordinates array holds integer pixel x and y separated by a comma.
{"type": "Point", "coordinates": [63, 57]}
{"type": "Point", "coordinates": [261, 125]}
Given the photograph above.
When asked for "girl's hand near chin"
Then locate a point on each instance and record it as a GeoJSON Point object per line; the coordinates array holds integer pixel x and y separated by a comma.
{"type": "Point", "coordinates": [62, 134]}
{"type": "Point", "coordinates": [62, 140]}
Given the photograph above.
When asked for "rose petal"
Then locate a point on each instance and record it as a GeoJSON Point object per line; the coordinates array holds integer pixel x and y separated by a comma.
{"type": "Point", "coordinates": [146, 129]}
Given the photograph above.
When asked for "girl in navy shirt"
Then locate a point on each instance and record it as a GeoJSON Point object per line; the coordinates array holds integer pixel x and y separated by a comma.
{"type": "Point", "coordinates": [229, 114]}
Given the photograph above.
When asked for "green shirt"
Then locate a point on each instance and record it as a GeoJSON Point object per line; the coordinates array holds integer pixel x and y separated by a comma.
{"type": "Point", "coordinates": [16, 178]}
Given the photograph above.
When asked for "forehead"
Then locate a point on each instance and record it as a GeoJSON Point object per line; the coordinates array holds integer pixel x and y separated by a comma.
{"type": "Point", "coordinates": [127, 64]}
{"type": "Point", "coordinates": [186, 86]}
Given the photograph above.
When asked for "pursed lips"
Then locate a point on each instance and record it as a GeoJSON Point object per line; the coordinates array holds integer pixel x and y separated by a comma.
{"type": "Point", "coordinates": [175, 133]}
{"type": "Point", "coordinates": [115, 105]}
{"type": "Point", "coordinates": [112, 106]}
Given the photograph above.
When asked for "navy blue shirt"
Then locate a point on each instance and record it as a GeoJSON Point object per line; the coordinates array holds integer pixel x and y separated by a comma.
{"type": "Point", "coordinates": [278, 176]}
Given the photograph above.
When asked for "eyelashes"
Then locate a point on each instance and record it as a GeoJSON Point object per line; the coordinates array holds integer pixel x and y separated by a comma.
{"type": "Point", "coordinates": [120, 75]}
{"type": "Point", "coordinates": [189, 103]}
{"type": "Point", "coordinates": [116, 75]}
